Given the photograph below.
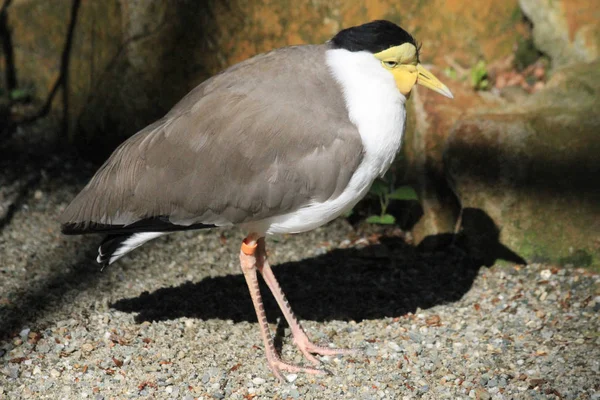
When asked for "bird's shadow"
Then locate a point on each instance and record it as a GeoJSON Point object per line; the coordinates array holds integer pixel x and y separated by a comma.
{"type": "Point", "coordinates": [387, 279]}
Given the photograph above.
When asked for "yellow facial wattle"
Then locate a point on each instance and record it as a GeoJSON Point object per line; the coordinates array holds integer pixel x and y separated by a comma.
{"type": "Point", "coordinates": [402, 62]}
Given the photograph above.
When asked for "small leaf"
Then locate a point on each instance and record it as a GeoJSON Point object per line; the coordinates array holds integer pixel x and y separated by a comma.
{"type": "Point", "coordinates": [374, 219]}
{"type": "Point", "coordinates": [385, 219]}
{"type": "Point", "coordinates": [404, 193]}
{"type": "Point", "coordinates": [19, 94]}
{"type": "Point", "coordinates": [479, 75]}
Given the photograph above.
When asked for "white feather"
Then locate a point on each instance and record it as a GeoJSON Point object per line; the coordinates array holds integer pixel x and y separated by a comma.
{"type": "Point", "coordinates": [376, 107]}
{"type": "Point", "coordinates": [135, 241]}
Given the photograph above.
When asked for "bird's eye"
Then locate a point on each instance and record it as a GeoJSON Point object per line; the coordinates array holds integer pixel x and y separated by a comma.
{"type": "Point", "coordinates": [390, 64]}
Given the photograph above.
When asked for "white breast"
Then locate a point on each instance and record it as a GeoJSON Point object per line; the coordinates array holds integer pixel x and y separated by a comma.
{"type": "Point", "coordinates": [376, 107]}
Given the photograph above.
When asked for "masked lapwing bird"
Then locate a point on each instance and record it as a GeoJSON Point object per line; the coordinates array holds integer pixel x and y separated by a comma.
{"type": "Point", "coordinates": [281, 143]}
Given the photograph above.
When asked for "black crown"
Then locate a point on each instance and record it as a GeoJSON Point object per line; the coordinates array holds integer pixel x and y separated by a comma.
{"type": "Point", "coordinates": [373, 37]}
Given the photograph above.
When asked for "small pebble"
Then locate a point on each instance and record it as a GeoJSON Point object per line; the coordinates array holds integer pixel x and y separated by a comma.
{"type": "Point", "coordinates": [394, 346]}
{"type": "Point", "coordinates": [371, 352]}
{"type": "Point", "coordinates": [258, 381]}
{"type": "Point", "coordinates": [546, 274]}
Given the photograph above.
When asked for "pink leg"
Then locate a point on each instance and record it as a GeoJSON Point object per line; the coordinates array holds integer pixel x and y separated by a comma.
{"type": "Point", "coordinates": [300, 338]}
{"type": "Point", "coordinates": [249, 265]}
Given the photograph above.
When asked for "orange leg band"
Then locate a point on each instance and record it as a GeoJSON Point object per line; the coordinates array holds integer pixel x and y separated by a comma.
{"type": "Point", "coordinates": [248, 249]}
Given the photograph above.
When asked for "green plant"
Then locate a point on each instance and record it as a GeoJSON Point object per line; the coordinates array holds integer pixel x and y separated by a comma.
{"type": "Point", "coordinates": [21, 94]}
{"type": "Point", "coordinates": [479, 76]}
{"type": "Point", "coordinates": [385, 192]}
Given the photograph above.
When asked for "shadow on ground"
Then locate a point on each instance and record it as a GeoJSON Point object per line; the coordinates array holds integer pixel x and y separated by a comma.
{"type": "Point", "coordinates": [383, 280]}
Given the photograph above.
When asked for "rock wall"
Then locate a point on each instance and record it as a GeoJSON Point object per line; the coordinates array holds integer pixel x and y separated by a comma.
{"type": "Point", "coordinates": [132, 60]}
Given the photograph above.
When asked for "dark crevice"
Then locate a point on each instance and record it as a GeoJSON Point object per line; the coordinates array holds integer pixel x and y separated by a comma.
{"type": "Point", "coordinates": [64, 66]}
{"type": "Point", "coordinates": [62, 82]}
{"type": "Point", "coordinates": [526, 52]}
{"type": "Point", "coordinates": [10, 76]}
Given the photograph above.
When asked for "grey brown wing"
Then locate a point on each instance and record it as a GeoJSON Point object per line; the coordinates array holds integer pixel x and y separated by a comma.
{"type": "Point", "coordinates": [237, 154]}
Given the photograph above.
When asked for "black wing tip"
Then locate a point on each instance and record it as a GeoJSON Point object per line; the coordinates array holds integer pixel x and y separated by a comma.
{"type": "Point", "coordinates": [153, 224]}
{"type": "Point", "coordinates": [73, 229]}
{"type": "Point", "coordinates": [109, 246]}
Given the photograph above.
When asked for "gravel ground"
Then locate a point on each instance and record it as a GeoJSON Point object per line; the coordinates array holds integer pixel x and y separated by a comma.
{"type": "Point", "coordinates": [174, 319]}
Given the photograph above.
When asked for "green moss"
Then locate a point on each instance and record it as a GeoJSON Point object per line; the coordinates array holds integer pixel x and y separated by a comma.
{"type": "Point", "coordinates": [539, 248]}
{"type": "Point", "coordinates": [579, 258]}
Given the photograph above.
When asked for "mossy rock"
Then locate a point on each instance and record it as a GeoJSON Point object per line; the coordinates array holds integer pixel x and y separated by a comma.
{"type": "Point", "coordinates": [534, 169]}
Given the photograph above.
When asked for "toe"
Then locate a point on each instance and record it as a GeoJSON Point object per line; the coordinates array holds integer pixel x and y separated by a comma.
{"type": "Point", "coordinates": [278, 366]}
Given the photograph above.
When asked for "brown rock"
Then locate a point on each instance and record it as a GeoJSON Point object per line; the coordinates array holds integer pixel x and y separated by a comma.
{"type": "Point", "coordinates": [131, 61]}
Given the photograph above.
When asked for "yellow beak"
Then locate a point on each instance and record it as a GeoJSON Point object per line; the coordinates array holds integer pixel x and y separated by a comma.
{"type": "Point", "coordinates": [427, 79]}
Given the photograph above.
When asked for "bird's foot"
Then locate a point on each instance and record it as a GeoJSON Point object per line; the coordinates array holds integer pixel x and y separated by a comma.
{"type": "Point", "coordinates": [278, 366]}
{"type": "Point", "coordinates": [308, 348]}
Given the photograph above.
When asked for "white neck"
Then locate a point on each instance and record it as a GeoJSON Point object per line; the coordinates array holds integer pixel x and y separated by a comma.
{"type": "Point", "coordinates": [374, 105]}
